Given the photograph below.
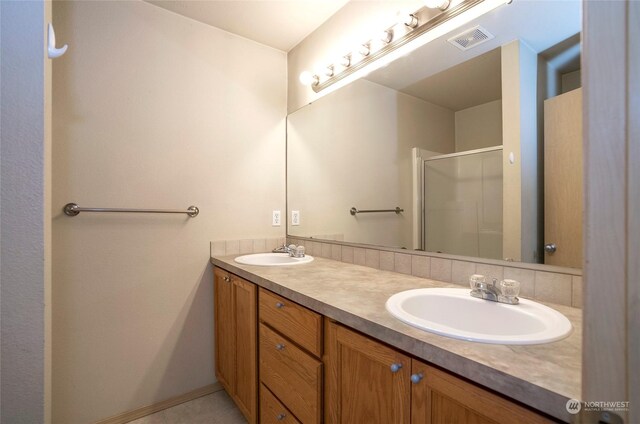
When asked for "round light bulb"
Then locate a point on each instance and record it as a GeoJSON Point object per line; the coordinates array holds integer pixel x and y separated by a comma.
{"type": "Point", "coordinates": [328, 71]}
{"type": "Point", "coordinates": [437, 4]}
{"type": "Point", "coordinates": [307, 78]}
{"type": "Point", "coordinates": [364, 49]}
{"type": "Point", "coordinates": [345, 61]}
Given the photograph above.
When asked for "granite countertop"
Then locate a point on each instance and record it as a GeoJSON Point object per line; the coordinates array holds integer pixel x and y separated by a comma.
{"type": "Point", "coordinates": [542, 376]}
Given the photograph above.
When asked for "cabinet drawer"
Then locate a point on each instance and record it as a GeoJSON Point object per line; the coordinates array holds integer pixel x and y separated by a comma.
{"type": "Point", "coordinates": [272, 411]}
{"type": "Point", "coordinates": [300, 324]}
{"type": "Point", "coordinates": [293, 375]}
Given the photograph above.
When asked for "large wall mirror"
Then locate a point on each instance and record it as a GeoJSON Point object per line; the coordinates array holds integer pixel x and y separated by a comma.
{"type": "Point", "coordinates": [474, 152]}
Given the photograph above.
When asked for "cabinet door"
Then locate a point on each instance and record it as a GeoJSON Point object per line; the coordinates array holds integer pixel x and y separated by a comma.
{"type": "Point", "coordinates": [246, 380]}
{"type": "Point", "coordinates": [366, 381]}
{"type": "Point", "coordinates": [225, 330]}
{"type": "Point", "coordinates": [440, 397]}
{"type": "Point", "coordinates": [235, 313]}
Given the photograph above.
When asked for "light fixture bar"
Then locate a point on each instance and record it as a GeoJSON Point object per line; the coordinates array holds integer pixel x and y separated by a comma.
{"type": "Point", "coordinates": [438, 4]}
{"type": "Point", "coordinates": [429, 24]}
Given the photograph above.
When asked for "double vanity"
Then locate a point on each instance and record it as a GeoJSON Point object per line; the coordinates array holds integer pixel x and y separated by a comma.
{"type": "Point", "coordinates": [326, 341]}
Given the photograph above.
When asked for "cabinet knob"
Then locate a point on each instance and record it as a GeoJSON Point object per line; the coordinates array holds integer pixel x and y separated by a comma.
{"type": "Point", "coordinates": [227, 278]}
{"type": "Point", "coordinates": [416, 378]}
{"type": "Point", "coordinates": [279, 305]}
{"type": "Point", "coordinates": [395, 367]}
{"type": "Point", "coordinates": [281, 416]}
{"type": "Point", "coordinates": [279, 346]}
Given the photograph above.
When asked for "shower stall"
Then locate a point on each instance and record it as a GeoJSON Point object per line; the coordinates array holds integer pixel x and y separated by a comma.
{"type": "Point", "coordinates": [462, 203]}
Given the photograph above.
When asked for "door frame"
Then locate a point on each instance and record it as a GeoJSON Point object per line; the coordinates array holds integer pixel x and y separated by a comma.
{"type": "Point", "coordinates": [611, 116]}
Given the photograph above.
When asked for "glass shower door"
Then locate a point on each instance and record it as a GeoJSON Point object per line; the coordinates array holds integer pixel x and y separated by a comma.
{"type": "Point", "coordinates": [463, 203]}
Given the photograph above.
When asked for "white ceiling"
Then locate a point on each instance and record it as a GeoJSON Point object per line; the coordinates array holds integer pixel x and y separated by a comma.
{"type": "Point", "coordinates": [280, 24]}
{"type": "Point", "coordinates": [474, 82]}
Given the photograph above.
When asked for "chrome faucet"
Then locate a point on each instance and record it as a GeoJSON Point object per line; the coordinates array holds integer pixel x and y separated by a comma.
{"type": "Point", "coordinates": [282, 249]}
{"type": "Point", "coordinates": [506, 292]}
{"type": "Point", "coordinates": [293, 250]}
{"type": "Point", "coordinates": [486, 291]}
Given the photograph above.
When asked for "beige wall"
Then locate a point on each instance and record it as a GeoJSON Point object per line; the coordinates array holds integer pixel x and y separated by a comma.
{"type": "Point", "coordinates": [25, 156]}
{"type": "Point", "coordinates": [353, 148]}
{"type": "Point", "coordinates": [519, 123]}
{"type": "Point", "coordinates": [356, 22]}
{"type": "Point", "coordinates": [152, 110]}
{"type": "Point", "coordinates": [479, 126]}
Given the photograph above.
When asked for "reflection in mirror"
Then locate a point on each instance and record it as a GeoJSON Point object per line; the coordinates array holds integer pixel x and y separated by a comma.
{"type": "Point", "coordinates": [480, 148]}
{"type": "Point", "coordinates": [463, 203]}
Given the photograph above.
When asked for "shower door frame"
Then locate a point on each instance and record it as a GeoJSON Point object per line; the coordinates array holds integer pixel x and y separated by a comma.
{"type": "Point", "coordinates": [420, 159]}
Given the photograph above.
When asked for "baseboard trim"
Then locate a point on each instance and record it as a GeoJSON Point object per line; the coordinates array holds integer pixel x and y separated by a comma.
{"type": "Point", "coordinates": [157, 407]}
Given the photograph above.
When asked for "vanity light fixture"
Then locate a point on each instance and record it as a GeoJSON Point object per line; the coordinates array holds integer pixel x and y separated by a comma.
{"type": "Point", "coordinates": [421, 27]}
{"type": "Point", "coordinates": [437, 4]}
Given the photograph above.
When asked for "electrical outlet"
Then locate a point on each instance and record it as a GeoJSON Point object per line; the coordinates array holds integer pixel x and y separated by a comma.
{"type": "Point", "coordinates": [277, 218]}
{"type": "Point", "coordinates": [295, 217]}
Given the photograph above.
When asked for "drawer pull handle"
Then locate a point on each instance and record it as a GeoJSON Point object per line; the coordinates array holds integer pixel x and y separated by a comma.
{"type": "Point", "coordinates": [281, 416]}
{"type": "Point", "coordinates": [416, 378]}
{"type": "Point", "coordinates": [279, 305]}
{"type": "Point", "coordinates": [227, 278]}
{"type": "Point", "coordinates": [279, 346]}
{"type": "Point", "coordinates": [395, 368]}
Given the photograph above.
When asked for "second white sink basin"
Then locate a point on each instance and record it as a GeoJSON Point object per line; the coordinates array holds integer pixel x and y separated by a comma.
{"type": "Point", "coordinates": [272, 259]}
{"type": "Point", "coordinates": [454, 313]}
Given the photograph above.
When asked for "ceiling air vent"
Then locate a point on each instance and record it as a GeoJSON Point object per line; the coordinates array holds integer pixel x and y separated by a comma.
{"type": "Point", "coordinates": [471, 38]}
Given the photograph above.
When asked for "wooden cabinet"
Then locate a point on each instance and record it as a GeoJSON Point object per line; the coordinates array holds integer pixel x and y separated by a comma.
{"type": "Point", "coordinates": [272, 411]}
{"type": "Point", "coordinates": [294, 376]}
{"type": "Point", "coordinates": [236, 349]}
{"type": "Point", "coordinates": [224, 323]}
{"type": "Point", "coordinates": [290, 367]}
{"type": "Point", "coordinates": [303, 356]}
{"type": "Point", "coordinates": [367, 381]}
{"type": "Point", "coordinates": [292, 320]}
{"type": "Point", "coordinates": [440, 397]}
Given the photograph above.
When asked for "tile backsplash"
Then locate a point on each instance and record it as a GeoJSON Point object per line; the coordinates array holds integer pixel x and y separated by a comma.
{"type": "Point", "coordinates": [243, 247]}
{"type": "Point", "coordinates": [563, 287]}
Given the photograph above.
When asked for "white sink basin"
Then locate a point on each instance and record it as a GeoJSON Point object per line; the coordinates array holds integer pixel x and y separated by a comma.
{"type": "Point", "coordinates": [272, 259]}
{"type": "Point", "coordinates": [454, 313]}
